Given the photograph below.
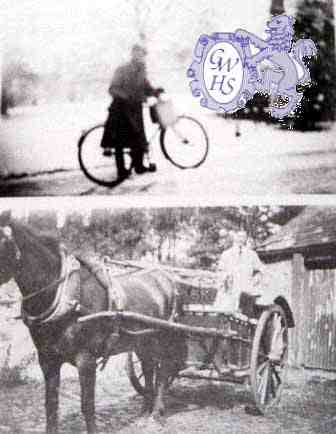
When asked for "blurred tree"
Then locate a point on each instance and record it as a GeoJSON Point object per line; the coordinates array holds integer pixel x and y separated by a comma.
{"type": "Point", "coordinates": [277, 7]}
{"type": "Point", "coordinates": [44, 220]}
{"type": "Point", "coordinates": [118, 234]}
{"type": "Point", "coordinates": [168, 225]}
{"type": "Point", "coordinates": [256, 108]}
{"type": "Point", "coordinates": [130, 234]}
{"type": "Point", "coordinates": [121, 234]}
{"type": "Point", "coordinates": [17, 86]}
{"type": "Point", "coordinates": [258, 221]}
{"type": "Point", "coordinates": [207, 245]}
{"type": "Point", "coordinates": [315, 20]}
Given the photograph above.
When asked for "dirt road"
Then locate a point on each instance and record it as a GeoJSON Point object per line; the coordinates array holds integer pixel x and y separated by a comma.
{"type": "Point", "coordinates": [308, 406]}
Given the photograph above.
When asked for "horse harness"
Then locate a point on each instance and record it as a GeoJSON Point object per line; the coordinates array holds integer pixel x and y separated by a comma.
{"type": "Point", "coordinates": [67, 295]}
{"type": "Point", "coordinates": [67, 298]}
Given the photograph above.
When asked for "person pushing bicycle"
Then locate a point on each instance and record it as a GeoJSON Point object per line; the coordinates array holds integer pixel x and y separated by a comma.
{"type": "Point", "coordinates": [124, 126]}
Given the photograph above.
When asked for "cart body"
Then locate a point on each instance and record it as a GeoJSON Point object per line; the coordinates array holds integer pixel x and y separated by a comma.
{"type": "Point", "coordinates": [248, 346]}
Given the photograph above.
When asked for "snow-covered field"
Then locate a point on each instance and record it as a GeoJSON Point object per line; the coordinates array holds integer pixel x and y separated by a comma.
{"type": "Point", "coordinates": [44, 138]}
{"type": "Point", "coordinates": [35, 139]}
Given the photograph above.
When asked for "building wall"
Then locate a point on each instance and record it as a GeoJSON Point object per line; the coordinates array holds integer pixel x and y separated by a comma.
{"type": "Point", "coordinates": [314, 301]}
{"type": "Point", "coordinates": [314, 298]}
{"type": "Point", "coordinates": [311, 293]}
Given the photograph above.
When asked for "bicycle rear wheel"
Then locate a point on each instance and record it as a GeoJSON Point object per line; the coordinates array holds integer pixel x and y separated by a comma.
{"type": "Point", "coordinates": [186, 143]}
{"type": "Point", "coordinates": [96, 166]}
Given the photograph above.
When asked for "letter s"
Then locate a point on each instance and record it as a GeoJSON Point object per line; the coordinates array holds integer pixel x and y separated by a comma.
{"type": "Point", "coordinates": [230, 85]}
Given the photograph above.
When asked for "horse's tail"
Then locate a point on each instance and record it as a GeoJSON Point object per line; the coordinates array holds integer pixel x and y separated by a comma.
{"type": "Point", "coordinates": [304, 48]}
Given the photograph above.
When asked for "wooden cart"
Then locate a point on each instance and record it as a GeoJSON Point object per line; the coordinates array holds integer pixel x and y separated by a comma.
{"type": "Point", "coordinates": [247, 347]}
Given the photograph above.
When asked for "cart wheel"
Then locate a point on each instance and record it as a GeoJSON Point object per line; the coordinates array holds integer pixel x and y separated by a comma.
{"type": "Point", "coordinates": [136, 376]}
{"type": "Point", "coordinates": [269, 358]}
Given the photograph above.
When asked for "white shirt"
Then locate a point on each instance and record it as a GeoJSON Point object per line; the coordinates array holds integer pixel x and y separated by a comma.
{"type": "Point", "coordinates": [241, 263]}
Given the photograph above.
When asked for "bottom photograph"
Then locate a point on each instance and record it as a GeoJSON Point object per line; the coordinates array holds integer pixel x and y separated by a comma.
{"type": "Point", "coordinates": [167, 320]}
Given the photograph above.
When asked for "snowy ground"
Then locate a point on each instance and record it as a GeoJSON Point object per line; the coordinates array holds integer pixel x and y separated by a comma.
{"type": "Point", "coordinates": [263, 160]}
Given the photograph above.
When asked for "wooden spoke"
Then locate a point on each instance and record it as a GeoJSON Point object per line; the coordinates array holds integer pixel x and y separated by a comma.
{"type": "Point", "coordinates": [277, 376]}
{"type": "Point", "coordinates": [262, 367]}
{"type": "Point", "coordinates": [135, 373]}
{"type": "Point", "coordinates": [273, 386]}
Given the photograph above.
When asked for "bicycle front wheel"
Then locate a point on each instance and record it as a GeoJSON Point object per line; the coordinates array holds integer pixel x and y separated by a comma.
{"type": "Point", "coordinates": [96, 166]}
{"type": "Point", "coordinates": [186, 143]}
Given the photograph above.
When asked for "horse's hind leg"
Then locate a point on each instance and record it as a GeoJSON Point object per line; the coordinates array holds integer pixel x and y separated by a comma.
{"type": "Point", "coordinates": [148, 366]}
{"type": "Point", "coordinates": [51, 371]}
{"type": "Point", "coordinates": [86, 365]}
{"type": "Point", "coordinates": [162, 375]}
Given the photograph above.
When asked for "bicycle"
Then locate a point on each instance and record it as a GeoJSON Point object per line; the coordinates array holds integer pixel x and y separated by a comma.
{"type": "Point", "coordinates": [183, 140]}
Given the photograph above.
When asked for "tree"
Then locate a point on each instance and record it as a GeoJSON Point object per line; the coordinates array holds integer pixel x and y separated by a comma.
{"type": "Point", "coordinates": [168, 226]}
{"type": "Point", "coordinates": [18, 82]}
{"type": "Point", "coordinates": [277, 7]}
{"type": "Point", "coordinates": [258, 221]}
{"type": "Point", "coordinates": [256, 108]}
{"type": "Point", "coordinates": [315, 20]}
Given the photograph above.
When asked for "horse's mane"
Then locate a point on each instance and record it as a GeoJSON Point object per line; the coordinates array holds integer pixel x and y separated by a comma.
{"type": "Point", "coordinates": [36, 237]}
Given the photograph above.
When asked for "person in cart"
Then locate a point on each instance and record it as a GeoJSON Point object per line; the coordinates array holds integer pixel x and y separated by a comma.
{"type": "Point", "coordinates": [124, 126]}
{"type": "Point", "coordinates": [242, 272]}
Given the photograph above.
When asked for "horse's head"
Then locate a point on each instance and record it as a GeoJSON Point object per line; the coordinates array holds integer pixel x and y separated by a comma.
{"type": "Point", "coordinates": [10, 254]}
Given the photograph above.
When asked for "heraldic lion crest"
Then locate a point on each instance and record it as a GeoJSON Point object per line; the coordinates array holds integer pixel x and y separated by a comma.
{"type": "Point", "coordinates": [286, 68]}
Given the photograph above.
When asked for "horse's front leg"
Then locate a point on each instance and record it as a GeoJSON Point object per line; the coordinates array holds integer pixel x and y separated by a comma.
{"type": "Point", "coordinates": [51, 371]}
{"type": "Point", "coordinates": [148, 369]}
{"type": "Point", "coordinates": [86, 365]}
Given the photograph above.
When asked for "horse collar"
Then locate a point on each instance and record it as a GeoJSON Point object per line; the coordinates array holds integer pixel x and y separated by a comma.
{"type": "Point", "coordinates": [67, 294]}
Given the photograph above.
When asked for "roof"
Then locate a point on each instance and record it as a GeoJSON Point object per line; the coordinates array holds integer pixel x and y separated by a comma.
{"type": "Point", "coordinates": [314, 227]}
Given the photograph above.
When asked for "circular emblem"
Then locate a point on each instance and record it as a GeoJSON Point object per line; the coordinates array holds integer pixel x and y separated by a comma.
{"type": "Point", "coordinates": [218, 73]}
{"type": "Point", "coordinates": [223, 72]}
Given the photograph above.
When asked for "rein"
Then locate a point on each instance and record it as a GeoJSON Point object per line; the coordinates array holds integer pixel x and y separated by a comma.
{"type": "Point", "coordinates": [22, 298]}
{"type": "Point", "coordinates": [42, 290]}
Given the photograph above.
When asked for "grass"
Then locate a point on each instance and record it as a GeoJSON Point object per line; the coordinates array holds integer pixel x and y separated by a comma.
{"type": "Point", "coordinates": [15, 375]}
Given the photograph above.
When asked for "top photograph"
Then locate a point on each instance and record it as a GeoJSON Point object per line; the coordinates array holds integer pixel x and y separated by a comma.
{"type": "Point", "coordinates": [169, 98]}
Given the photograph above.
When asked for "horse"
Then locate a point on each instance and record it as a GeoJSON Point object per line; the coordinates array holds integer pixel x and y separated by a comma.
{"type": "Point", "coordinates": [58, 288]}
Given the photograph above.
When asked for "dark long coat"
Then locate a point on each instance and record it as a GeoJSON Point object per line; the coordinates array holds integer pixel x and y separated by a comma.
{"type": "Point", "coordinates": [125, 126]}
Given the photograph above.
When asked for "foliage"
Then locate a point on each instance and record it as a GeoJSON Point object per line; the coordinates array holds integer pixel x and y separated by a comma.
{"type": "Point", "coordinates": [17, 84]}
{"type": "Point", "coordinates": [256, 109]}
{"type": "Point", "coordinates": [177, 236]}
{"type": "Point", "coordinates": [258, 221]}
{"type": "Point", "coordinates": [119, 234]}
{"type": "Point", "coordinates": [314, 20]}
{"type": "Point", "coordinates": [168, 225]}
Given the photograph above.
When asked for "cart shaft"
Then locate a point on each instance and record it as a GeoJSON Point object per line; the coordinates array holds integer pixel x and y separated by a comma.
{"type": "Point", "coordinates": [162, 324]}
